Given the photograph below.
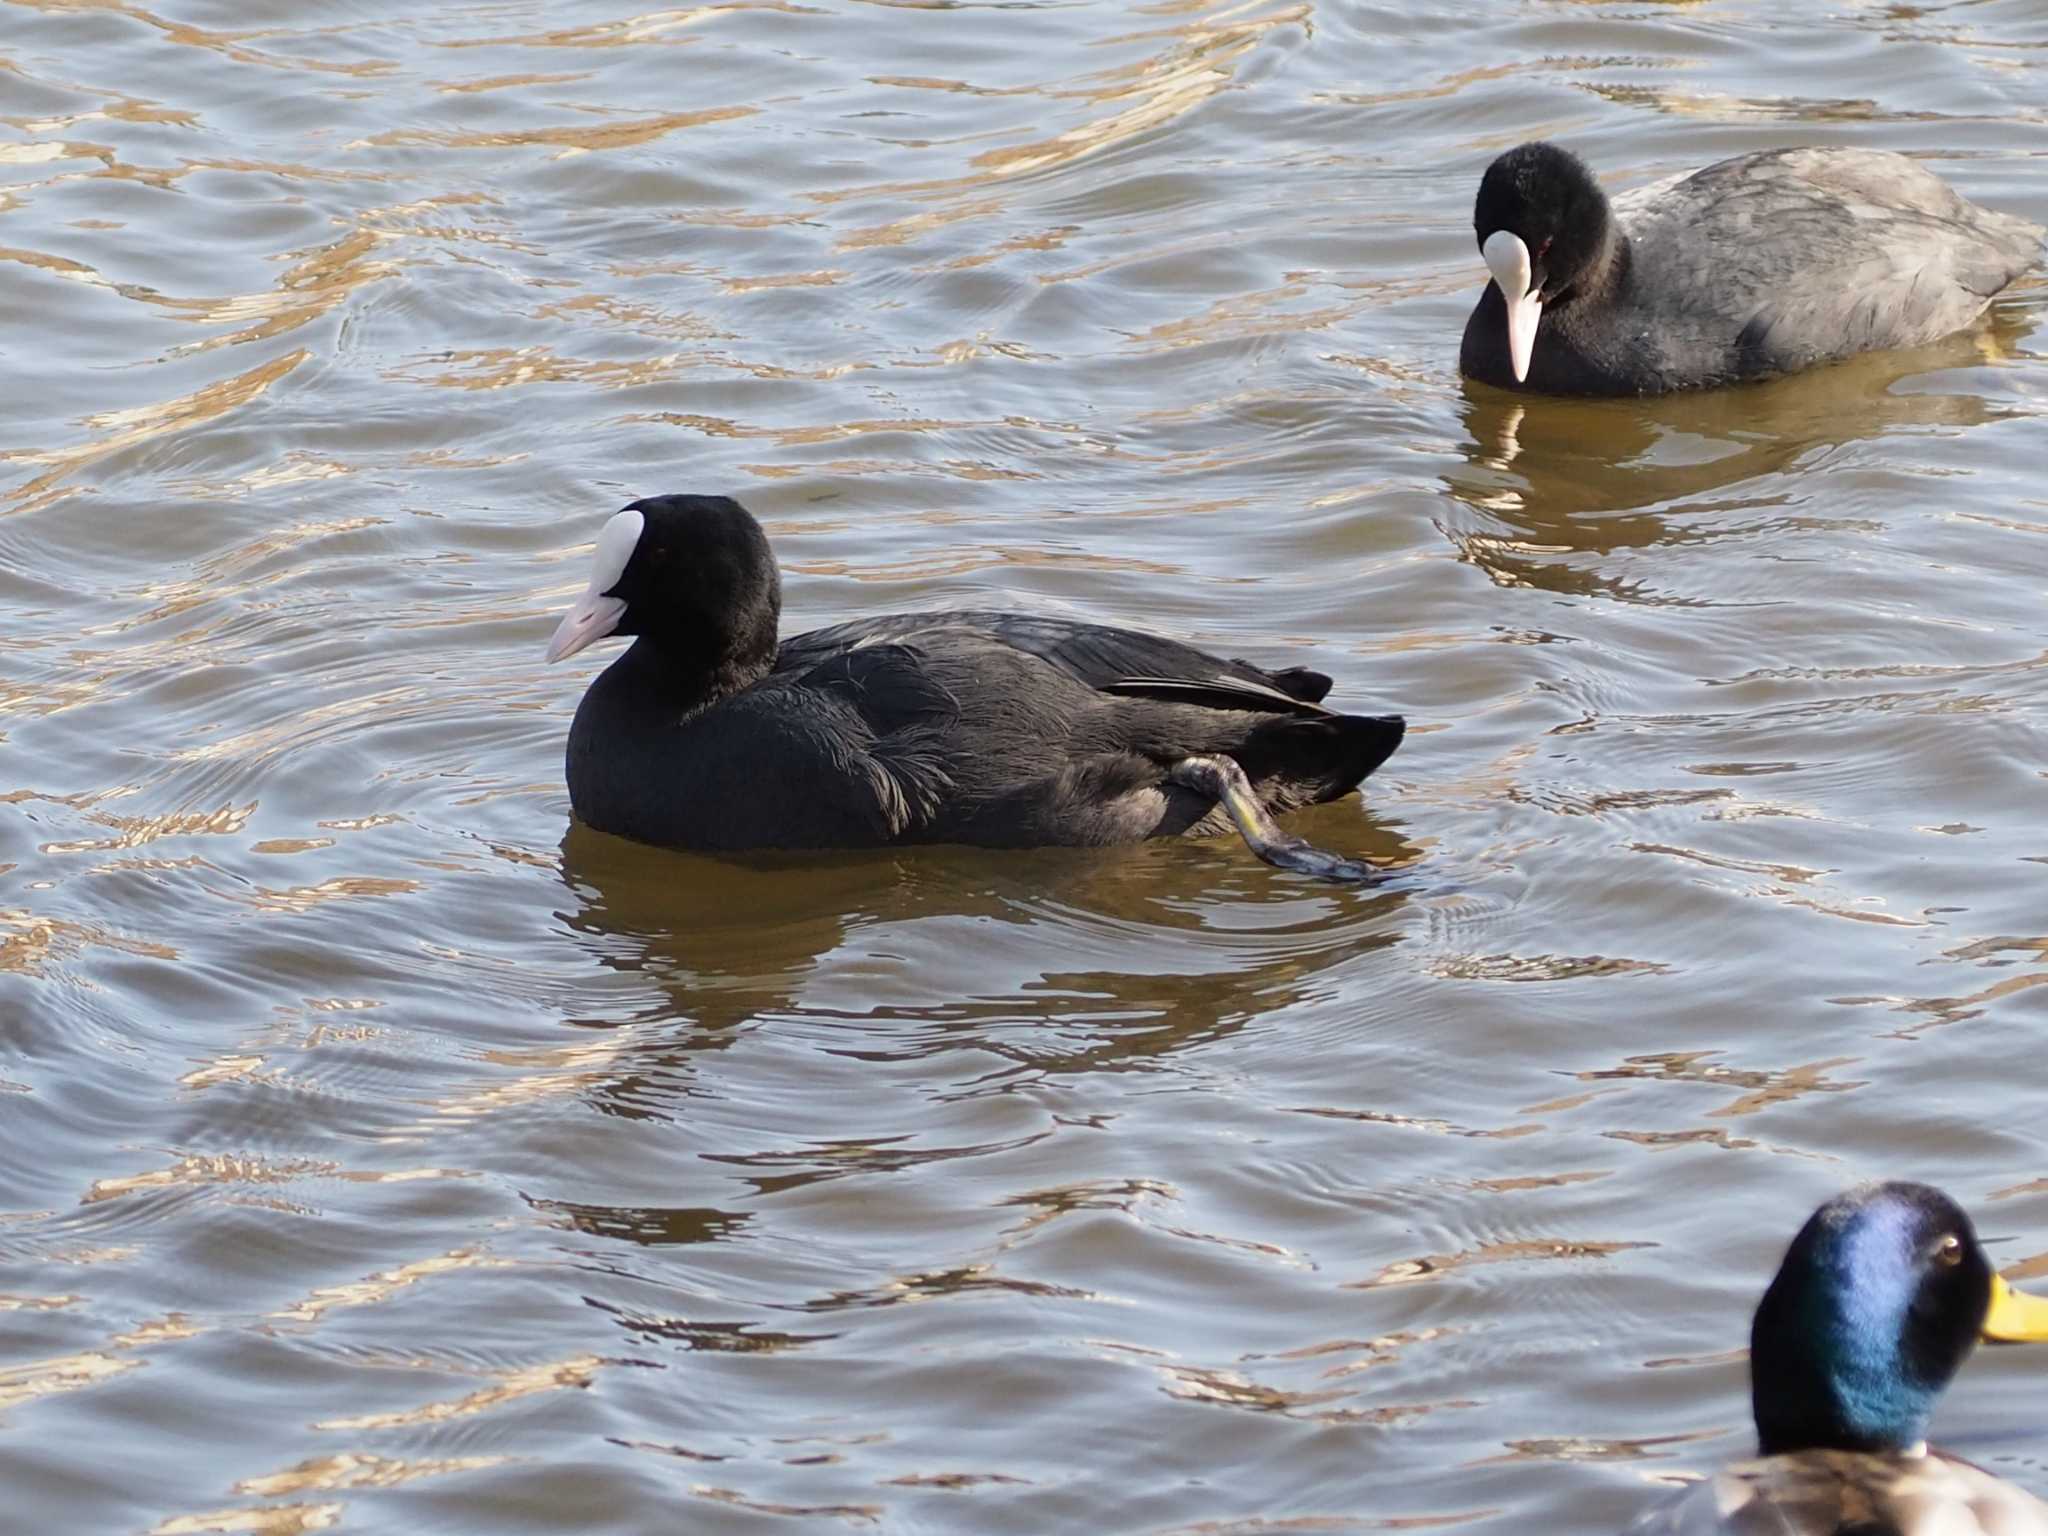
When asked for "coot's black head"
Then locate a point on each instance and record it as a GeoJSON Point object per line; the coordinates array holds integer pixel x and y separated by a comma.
{"type": "Point", "coordinates": [1880, 1299]}
{"type": "Point", "coordinates": [693, 574]}
{"type": "Point", "coordinates": [1543, 226]}
{"type": "Point", "coordinates": [1545, 197]}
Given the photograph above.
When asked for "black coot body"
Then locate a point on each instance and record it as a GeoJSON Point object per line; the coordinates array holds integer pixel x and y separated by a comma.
{"type": "Point", "coordinates": [1756, 266]}
{"type": "Point", "coordinates": [991, 728]}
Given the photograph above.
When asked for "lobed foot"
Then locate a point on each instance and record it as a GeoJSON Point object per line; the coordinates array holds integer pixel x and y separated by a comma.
{"type": "Point", "coordinates": [1223, 780]}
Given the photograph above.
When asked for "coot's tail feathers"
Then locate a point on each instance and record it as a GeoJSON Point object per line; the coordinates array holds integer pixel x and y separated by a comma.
{"type": "Point", "coordinates": [2011, 248]}
{"type": "Point", "coordinates": [1300, 683]}
{"type": "Point", "coordinates": [1300, 761]}
{"type": "Point", "coordinates": [1377, 737]}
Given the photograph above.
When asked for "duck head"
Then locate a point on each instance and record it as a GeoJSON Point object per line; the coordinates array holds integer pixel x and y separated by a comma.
{"type": "Point", "coordinates": [1881, 1297]}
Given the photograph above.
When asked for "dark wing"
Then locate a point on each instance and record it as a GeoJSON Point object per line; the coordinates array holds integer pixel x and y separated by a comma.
{"type": "Point", "coordinates": [891, 685]}
{"type": "Point", "coordinates": [900, 713]}
{"type": "Point", "coordinates": [1121, 661]}
{"type": "Point", "coordinates": [846, 753]}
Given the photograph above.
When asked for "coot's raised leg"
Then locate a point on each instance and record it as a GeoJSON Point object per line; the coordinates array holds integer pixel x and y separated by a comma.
{"type": "Point", "coordinates": [1223, 779]}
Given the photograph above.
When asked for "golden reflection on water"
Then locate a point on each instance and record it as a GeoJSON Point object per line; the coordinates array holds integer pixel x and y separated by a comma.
{"type": "Point", "coordinates": [1436, 1266]}
{"type": "Point", "coordinates": [328, 1474]}
{"type": "Point", "coordinates": [29, 943]}
{"type": "Point", "coordinates": [559, 1376]}
{"type": "Point", "coordinates": [22, 1383]}
{"type": "Point", "coordinates": [1148, 94]}
{"type": "Point", "coordinates": [383, 1286]}
{"type": "Point", "coordinates": [314, 285]}
{"type": "Point", "coordinates": [631, 31]}
{"type": "Point", "coordinates": [275, 1520]}
{"type": "Point", "coordinates": [235, 1170]}
{"type": "Point", "coordinates": [390, 1120]}
{"type": "Point", "coordinates": [571, 141]}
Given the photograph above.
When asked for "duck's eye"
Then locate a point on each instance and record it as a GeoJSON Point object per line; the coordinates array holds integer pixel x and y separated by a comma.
{"type": "Point", "coordinates": [1949, 1250]}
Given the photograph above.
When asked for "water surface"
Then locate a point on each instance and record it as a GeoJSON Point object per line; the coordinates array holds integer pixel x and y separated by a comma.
{"type": "Point", "coordinates": [379, 1153]}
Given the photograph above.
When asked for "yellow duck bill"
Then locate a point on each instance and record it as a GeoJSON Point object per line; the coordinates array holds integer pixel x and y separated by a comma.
{"type": "Point", "coordinates": [2015, 1316]}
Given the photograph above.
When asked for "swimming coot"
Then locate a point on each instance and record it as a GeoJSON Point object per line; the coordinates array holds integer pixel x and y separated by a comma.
{"type": "Point", "coordinates": [1880, 1298]}
{"type": "Point", "coordinates": [1760, 265]}
{"type": "Point", "coordinates": [965, 727]}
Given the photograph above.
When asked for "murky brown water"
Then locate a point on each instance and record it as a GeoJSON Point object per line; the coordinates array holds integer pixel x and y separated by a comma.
{"type": "Point", "coordinates": [374, 1157]}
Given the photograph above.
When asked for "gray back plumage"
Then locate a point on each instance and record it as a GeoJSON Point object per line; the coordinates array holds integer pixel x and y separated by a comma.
{"type": "Point", "coordinates": [1795, 256]}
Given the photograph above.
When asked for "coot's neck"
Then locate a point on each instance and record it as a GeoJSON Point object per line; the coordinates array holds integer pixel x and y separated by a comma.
{"type": "Point", "coordinates": [1605, 277]}
{"type": "Point", "coordinates": [656, 681]}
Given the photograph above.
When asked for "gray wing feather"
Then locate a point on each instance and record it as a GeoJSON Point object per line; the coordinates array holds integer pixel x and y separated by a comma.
{"type": "Point", "coordinates": [1809, 253]}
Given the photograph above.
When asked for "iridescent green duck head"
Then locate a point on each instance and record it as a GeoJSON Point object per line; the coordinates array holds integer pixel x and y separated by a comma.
{"type": "Point", "coordinates": [1880, 1299]}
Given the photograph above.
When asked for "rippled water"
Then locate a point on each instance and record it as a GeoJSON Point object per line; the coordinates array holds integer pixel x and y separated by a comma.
{"type": "Point", "coordinates": [377, 1154]}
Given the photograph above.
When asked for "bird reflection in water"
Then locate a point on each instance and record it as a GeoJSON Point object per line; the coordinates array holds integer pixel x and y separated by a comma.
{"type": "Point", "coordinates": [1550, 488]}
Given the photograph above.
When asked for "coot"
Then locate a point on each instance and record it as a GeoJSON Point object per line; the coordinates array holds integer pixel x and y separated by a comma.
{"type": "Point", "coordinates": [1000, 729]}
{"type": "Point", "coordinates": [1759, 265]}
